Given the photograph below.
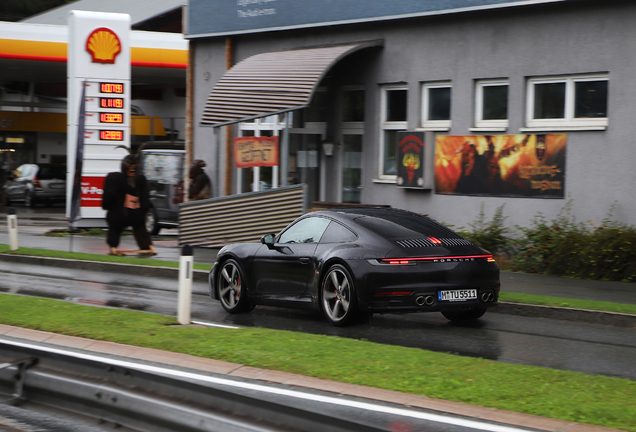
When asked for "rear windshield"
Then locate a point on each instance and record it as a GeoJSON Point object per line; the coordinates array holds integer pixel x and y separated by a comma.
{"type": "Point", "coordinates": [403, 225]}
{"type": "Point", "coordinates": [51, 172]}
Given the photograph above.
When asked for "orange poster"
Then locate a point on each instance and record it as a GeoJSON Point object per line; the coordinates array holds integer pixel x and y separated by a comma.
{"type": "Point", "coordinates": [501, 165]}
{"type": "Point", "coordinates": [255, 151]}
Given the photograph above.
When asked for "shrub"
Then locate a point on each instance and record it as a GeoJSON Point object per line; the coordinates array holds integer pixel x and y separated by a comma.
{"type": "Point", "coordinates": [489, 235]}
{"type": "Point", "coordinates": [566, 248]}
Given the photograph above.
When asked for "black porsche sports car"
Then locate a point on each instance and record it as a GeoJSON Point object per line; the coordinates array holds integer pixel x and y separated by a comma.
{"type": "Point", "coordinates": [348, 261]}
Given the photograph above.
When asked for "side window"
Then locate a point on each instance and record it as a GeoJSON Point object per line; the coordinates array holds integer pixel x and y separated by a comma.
{"type": "Point", "coordinates": [336, 233]}
{"type": "Point", "coordinates": [308, 230]}
{"type": "Point", "coordinates": [570, 101]}
{"type": "Point", "coordinates": [436, 105]}
{"type": "Point", "coordinates": [394, 113]}
{"type": "Point", "coordinates": [491, 104]}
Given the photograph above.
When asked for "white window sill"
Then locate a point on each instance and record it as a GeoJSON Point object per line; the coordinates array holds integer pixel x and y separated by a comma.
{"type": "Point", "coordinates": [489, 129]}
{"type": "Point", "coordinates": [433, 129]}
{"type": "Point", "coordinates": [554, 128]}
{"type": "Point", "coordinates": [385, 180]}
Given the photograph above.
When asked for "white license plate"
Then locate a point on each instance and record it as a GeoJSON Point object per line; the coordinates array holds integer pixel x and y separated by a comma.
{"type": "Point", "coordinates": [457, 295]}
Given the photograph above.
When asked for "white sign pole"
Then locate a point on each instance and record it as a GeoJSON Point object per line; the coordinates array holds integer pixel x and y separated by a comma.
{"type": "Point", "coordinates": [185, 285]}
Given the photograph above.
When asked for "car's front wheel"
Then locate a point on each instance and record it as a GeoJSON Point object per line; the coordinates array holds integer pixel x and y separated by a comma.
{"type": "Point", "coordinates": [339, 302]}
{"type": "Point", "coordinates": [232, 289]}
{"type": "Point", "coordinates": [464, 314]}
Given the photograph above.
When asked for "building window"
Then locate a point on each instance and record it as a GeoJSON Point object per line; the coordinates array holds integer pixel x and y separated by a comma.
{"type": "Point", "coordinates": [436, 105]}
{"type": "Point", "coordinates": [573, 101]}
{"type": "Point", "coordinates": [491, 104]}
{"type": "Point", "coordinates": [393, 121]}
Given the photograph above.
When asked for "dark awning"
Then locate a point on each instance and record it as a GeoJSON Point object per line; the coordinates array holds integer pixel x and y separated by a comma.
{"type": "Point", "coordinates": [271, 83]}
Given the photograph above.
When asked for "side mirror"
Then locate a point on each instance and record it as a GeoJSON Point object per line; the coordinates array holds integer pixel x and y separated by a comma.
{"type": "Point", "coordinates": [268, 240]}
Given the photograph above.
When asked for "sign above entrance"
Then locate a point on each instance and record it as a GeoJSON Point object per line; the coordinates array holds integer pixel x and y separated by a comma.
{"type": "Point", "coordinates": [216, 18]}
{"type": "Point", "coordinates": [255, 151]}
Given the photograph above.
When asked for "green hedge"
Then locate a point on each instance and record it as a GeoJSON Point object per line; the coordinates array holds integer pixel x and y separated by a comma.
{"type": "Point", "coordinates": [561, 246]}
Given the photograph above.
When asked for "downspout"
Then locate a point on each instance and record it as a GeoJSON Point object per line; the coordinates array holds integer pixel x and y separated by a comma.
{"type": "Point", "coordinates": [229, 62]}
{"type": "Point", "coordinates": [189, 110]}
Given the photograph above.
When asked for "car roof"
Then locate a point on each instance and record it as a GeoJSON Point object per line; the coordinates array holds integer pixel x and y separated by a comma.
{"type": "Point", "coordinates": [391, 222]}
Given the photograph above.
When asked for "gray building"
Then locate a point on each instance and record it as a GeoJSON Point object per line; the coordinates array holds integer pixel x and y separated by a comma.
{"type": "Point", "coordinates": [491, 95]}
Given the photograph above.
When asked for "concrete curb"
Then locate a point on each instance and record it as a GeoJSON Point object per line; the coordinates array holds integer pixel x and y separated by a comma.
{"type": "Point", "coordinates": [558, 313]}
{"type": "Point", "coordinates": [567, 314]}
{"type": "Point", "coordinates": [127, 269]}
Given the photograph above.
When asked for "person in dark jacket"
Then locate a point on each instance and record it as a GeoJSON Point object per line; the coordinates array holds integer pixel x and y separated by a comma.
{"type": "Point", "coordinates": [126, 201]}
{"type": "Point", "coordinates": [200, 185]}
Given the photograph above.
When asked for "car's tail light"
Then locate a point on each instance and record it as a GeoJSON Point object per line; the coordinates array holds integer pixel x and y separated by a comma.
{"type": "Point", "coordinates": [459, 258]}
{"type": "Point", "coordinates": [435, 240]}
{"type": "Point", "coordinates": [36, 183]}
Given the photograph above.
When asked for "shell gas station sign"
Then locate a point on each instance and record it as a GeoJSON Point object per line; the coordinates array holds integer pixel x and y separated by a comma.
{"type": "Point", "coordinates": [98, 71]}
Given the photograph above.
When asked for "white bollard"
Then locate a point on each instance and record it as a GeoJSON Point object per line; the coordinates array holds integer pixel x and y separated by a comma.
{"type": "Point", "coordinates": [185, 285]}
{"type": "Point", "coordinates": [12, 226]}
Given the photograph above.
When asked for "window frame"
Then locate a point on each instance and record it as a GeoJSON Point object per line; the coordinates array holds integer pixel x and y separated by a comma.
{"type": "Point", "coordinates": [568, 121]}
{"type": "Point", "coordinates": [425, 122]}
{"type": "Point", "coordinates": [480, 122]}
{"type": "Point", "coordinates": [386, 125]}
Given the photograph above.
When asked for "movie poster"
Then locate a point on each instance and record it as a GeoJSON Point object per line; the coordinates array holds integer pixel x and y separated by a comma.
{"type": "Point", "coordinates": [501, 165]}
{"type": "Point", "coordinates": [410, 159]}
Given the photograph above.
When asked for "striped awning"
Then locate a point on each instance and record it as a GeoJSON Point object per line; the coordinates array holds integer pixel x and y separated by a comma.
{"type": "Point", "coordinates": [271, 83]}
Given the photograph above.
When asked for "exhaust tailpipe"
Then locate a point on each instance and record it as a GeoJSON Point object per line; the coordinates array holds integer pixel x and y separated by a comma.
{"type": "Point", "coordinates": [486, 297]}
{"type": "Point", "coordinates": [425, 300]}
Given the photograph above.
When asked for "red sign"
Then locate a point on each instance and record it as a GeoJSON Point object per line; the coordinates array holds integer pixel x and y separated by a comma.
{"type": "Point", "coordinates": [92, 191]}
{"type": "Point", "coordinates": [255, 151]}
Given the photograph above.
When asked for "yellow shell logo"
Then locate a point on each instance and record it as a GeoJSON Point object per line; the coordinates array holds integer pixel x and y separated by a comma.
{"type": "Point", "coordinates": [103, 45]}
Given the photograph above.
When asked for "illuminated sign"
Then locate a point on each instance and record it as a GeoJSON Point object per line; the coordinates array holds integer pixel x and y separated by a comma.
{"type": "Point", "coordinates": [111, 117]}
{"type": "Point", "coordinates": [103, 45]}
{"type": "Point", "coordinates": [111, 135]}
{"type": "Point", "coordinates": [111, 103]}
{"type": "Point", "coordinates": [117, 88]}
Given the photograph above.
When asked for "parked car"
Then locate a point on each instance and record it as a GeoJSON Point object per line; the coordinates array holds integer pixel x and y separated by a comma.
{"type": "Point", "coordinates": [34, 183]}
{"type": "Point", "coordinates": [359, 260]}
{"type": "Point", "coordinates": [164, 171]}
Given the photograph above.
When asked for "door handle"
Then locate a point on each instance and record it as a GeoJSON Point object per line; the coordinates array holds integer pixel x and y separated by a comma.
{"type": "Point", "coordinates": [304, 260]}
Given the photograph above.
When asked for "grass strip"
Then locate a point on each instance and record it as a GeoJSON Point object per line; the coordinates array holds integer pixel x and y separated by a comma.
{"type": "Point", "coordinates": [570, 396]}
{"type": "Point", "coordinates": [50, 253]}
{"type": "Point", "coordinates": [532, 299]}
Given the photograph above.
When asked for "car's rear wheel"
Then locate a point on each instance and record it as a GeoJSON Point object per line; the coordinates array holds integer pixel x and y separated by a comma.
{"type": "Point", "coordinates": [464, 314]}
{"type": "Point", "coordinates": [339, 302]}
{"type": "Point", "coordinates": [152, 222]}
{"type": "Point", "coordinates": [232, 289]}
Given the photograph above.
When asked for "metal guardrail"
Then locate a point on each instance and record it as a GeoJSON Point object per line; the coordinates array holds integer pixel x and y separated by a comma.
{"type": "Point", "coordinates": [245, 217]}
{"type": "Point", "coordinates": [113, 391]}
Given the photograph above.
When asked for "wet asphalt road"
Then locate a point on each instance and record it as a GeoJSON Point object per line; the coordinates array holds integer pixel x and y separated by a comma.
{"type": "Point", "coordinates": [589, 348]}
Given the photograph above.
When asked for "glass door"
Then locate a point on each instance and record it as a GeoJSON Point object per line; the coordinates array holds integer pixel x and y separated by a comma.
{"type": "Point", "coordinates": [352, 168]}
